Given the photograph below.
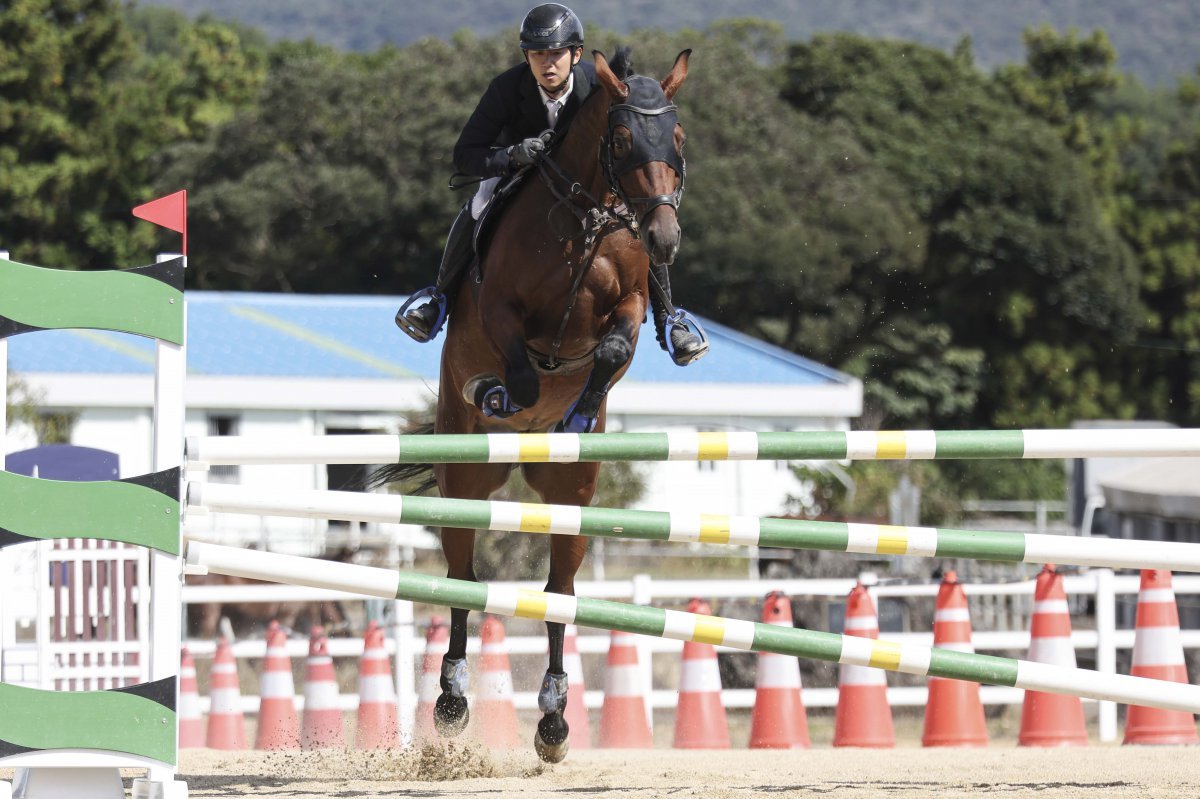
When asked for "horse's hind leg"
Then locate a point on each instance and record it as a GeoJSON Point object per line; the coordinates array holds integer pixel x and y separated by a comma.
{"type": "Point", "coordinates": [560, 484]}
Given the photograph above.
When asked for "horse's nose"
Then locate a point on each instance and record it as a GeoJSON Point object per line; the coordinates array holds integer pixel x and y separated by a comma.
{"type": "Point", "coordinates": [662, 235]}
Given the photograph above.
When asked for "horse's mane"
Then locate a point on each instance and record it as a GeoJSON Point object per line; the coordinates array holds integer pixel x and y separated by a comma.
{"type": "Point", "coordinates": [622, 62]}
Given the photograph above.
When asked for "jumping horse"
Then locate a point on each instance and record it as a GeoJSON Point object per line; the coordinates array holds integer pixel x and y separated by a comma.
{"type": "Point", "coordinates": [547, 322]}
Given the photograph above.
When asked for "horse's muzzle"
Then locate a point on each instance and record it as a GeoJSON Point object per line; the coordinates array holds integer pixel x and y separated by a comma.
{"type": "Point", "coordinates": [661, 235]}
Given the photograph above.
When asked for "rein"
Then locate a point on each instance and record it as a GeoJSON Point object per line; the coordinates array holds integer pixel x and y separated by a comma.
{"type": "Point", "coordinates": [655, 143]}
{"type": "Point", "coordinates": [593, 219]}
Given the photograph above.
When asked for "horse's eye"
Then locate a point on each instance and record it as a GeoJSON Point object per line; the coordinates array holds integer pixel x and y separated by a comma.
{"type": "Point", "coordinates": [621, 145]}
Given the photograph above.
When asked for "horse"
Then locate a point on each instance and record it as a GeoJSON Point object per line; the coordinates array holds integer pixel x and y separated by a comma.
{"type": "Point", "coordinates": [548, 322]}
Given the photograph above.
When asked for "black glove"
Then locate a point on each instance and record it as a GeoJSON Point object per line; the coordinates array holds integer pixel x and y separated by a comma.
{"type": "Point", "coordinates": [527, 152]}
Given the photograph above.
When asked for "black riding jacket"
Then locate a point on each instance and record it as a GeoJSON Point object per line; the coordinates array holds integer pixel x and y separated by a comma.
{"type": "Point", "coordinates": [511, 110]}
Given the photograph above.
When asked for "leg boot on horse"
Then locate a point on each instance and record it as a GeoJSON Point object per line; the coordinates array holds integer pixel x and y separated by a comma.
{"type": "Point", "coordinates": [424, 313]}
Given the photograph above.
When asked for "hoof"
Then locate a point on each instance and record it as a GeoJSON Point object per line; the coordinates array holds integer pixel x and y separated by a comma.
{"type": "Point", "coordinates": [450, 715]}
{"type": "Point", "coordinates": [550, 753]}
{"type": "Point", "coordinates": [552, 741]}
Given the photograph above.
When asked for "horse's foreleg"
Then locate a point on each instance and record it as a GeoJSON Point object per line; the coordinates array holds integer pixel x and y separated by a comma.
{"type": "Point", "coordinates": [520, 386]}
{"type": "Point", "coordinates": [559, 484]}
{"type": "Point", "coordinates": [612, 355]}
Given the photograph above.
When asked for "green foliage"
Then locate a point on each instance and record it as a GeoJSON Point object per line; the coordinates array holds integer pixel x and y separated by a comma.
{"type": "Point", "coordinates": [23, 404]}
{"type": "Point", "coordinates": [20, 402]}
{"type": "Point", "coordinates": [83, 112]}
{"type": "Point", "coordinates": [347, 196]}
{"type": "Point", "coordinates": [1014, 251]}
{"type": "Point", "coordinates": [862, 492]}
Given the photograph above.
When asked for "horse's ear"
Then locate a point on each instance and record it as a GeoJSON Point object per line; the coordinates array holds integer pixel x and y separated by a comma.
{"type": "Point", "coordinates": [672, 82]}
{"type": "Point", "coordinates": [608, 79]}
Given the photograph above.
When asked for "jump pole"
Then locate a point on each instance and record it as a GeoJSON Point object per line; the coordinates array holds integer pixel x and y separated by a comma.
{"type": "Point", "coordinates": [693, 446]}
{"type": "Point", "coordinates": [682, 626]}
{"type": "Point", "coordinates": [694, 527]}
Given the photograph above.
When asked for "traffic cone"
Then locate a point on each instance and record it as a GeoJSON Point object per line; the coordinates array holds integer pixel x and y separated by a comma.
{"type": "Point", "coordinates": [322, 727]}
{"type": "Point", "coordinates": [1051, 719]}
{"type": "Point", "coordinates": [953, 712]}
{"type": "Point", "coordinates": [226, 724]}
{"type": "Point", "coordinates": [278, 724]}
{"type": "Point", "coordinates": [437, 641]}
{"type": "Point", "coordinates": [1158, 654]}
{"type": "Point", "coordinates": [576, 714]}
{"type": "Point", "coordinates": [494, 709]}
{"type": "Point", "coordinates": [191, 725]}
{"type": "Point", "coordinates": [699, 715]}
{"type": "Point", "coordinates": [863, 716]}
{"type": "Point", "coordinates": [623, 723]}
{"type": "Point", "coordinates": [378, 723]}
{"type": "Point", "coordinates": [779, 720]}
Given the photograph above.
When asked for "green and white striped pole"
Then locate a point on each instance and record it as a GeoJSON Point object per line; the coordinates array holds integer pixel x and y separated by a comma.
{"type": "Point", "coordinates": [682, 626]}
{"type": "Point", "coordinates": [691, 527]}
{"type": "Point", "coordinates": [693, 446]}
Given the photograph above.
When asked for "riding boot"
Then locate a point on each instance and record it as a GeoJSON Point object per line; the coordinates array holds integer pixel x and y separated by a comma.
{"type": "Point", "coordinates": [685, 345]}
{"type": "Point", "coordinates": [423, 322]}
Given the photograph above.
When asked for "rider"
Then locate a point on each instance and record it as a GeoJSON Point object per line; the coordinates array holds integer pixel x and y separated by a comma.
{"type": "Point", "coordinates": [504, 135]}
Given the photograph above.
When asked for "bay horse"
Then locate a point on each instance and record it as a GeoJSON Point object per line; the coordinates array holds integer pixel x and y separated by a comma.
{"type": "Point", "coordinates": [547, 322]}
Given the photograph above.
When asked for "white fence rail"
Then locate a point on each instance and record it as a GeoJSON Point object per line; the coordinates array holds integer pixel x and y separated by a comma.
{"type": "Point", "coordinates": [1101, 584]}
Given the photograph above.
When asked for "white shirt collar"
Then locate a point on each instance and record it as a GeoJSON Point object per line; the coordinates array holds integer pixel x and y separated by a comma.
{"type": "Point", "coordinates": [558, 102]}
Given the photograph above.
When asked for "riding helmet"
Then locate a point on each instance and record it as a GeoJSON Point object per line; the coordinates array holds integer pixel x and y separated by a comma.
{"type": "Point", "coordinates": [549, 27]}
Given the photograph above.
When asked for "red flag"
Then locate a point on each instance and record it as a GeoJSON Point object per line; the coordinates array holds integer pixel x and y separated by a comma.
{"type": "Point", "coordinates": [169, 212]}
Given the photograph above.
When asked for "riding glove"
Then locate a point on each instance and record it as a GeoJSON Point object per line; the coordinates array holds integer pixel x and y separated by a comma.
{"type": "Point", "coordinates": [527, 152]}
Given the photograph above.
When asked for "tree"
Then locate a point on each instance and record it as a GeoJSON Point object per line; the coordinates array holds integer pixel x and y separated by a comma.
{"type": "Point", "coordinates": [83, 111]}
{"type": "Point", "coordinates": [348, 196]}
{"type": "Point", "coordinates": [1016, 257]}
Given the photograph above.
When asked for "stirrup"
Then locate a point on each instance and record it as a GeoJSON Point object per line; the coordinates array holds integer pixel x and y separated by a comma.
{"type": "Point", "coordinates": [690, 324]}
{"type": "Point", "coordinates": [417, 300]}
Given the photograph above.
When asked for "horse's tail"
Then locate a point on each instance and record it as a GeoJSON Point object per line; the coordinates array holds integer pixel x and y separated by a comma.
{"type": "Point", "coordinates": [417, 477]}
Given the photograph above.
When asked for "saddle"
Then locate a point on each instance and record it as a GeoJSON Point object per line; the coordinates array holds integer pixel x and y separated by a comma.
{"type": "Point", "coordinates": [486, 224]}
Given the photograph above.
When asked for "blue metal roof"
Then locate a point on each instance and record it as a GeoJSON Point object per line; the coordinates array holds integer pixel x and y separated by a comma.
{"type": "Point", "coordinates": [294, 335]}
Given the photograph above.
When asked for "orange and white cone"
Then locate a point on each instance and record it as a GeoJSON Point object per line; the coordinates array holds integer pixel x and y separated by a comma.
{"type": "Point", "coordinates": [863, 716]}
{"type": "Point", "coordinates": [1158, 654]}
{"type": "Point", "coordinates": [191, 723]}
{"type": "Point", "coordinates": [623, 723]}
{"type": "Point", "coordinates": [437, 642]}
{"type": "Point", "coordinates": [226, 724]}
{"type": "Point", "coordinates": [953, 713]}
{"type": "Point", "coordinates": [700, 721]}
{"type": "Point", "coordinates": [575, 714]}
{"type": "Point", "coordinates": [278, 724]}
{"type": "Point", "coordinates": [494, 709]}
{"type": "Point", "coordinates": [378, 722]}
{"type": "Point", "coordinates": [1051, 719]}
{"type": "Point", "coordinates": [779, 720]}
{"type": "Point", "coordinates": [322, 727]}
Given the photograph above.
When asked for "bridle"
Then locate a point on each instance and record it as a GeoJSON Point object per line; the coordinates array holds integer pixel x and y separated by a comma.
{"type": "Point", "coordinates": [652, 134]}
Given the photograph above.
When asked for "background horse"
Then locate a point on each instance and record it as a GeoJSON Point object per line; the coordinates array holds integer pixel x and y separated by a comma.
{"type": "Point", "coordinates": [549, 322]}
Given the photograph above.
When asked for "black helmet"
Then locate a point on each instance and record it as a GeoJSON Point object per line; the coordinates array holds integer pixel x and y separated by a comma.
{"type": "Point", "coordinates": [549, 27]}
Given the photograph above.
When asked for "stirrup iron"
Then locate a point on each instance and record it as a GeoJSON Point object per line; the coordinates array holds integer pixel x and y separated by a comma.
{"type": "Point", "coordinates": [682, 319]}
{"type": "Point", "coordinates": [420, 298]}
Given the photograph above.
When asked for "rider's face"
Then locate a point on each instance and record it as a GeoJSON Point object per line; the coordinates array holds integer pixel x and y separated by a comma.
{"type": "Point", "coordinates": [551, 68]}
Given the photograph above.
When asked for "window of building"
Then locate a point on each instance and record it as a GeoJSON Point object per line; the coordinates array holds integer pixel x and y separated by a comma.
{"type": "Point", "coordinates": [224, 425]}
